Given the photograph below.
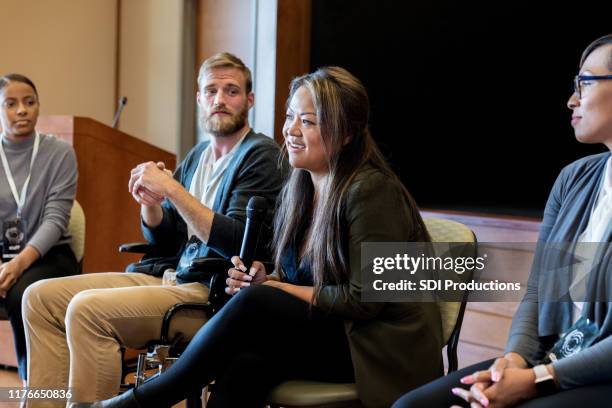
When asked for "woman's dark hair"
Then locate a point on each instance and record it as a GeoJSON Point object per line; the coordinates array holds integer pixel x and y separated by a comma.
{"type": "Point", "coordinates": [6, 79]}
{"type": "Point", "coordinates": [342, 109]}
{"type": "Point", "coordinates": [601, 41]}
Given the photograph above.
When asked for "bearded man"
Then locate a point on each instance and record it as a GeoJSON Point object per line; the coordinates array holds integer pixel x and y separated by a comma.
{"type": "Point", "coordinates": [76, 326]}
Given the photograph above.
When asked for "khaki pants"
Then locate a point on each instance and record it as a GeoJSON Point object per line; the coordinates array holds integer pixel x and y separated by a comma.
{"type": "Point", "coordinates": [75, 326]}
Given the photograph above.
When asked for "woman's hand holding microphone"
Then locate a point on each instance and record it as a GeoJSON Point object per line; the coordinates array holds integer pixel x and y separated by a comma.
{"type": "Point", "coordinates": [238, 277]}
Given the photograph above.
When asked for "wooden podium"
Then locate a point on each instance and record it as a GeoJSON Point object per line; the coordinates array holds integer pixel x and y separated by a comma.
{"type": "Point", "coordinates": [105, 157]}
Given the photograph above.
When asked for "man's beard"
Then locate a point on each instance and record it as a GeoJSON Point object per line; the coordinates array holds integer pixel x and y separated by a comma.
{"type": "Point", "coordinates": [222, 125]}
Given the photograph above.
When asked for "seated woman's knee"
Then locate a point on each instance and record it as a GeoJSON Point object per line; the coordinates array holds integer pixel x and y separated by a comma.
{"type": "Point", "coordinates": [253, 297]}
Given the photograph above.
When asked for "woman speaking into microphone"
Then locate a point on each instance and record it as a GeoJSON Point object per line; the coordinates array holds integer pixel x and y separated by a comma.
{"type": "Point", "coordinates": [307, 320]}
{"type": "Point", "coordinates": [37, 188]}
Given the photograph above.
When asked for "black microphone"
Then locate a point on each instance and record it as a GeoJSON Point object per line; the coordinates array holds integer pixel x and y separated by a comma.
{"type": "Point", "coordinates": [256, 214]}
{"type": "Point", "coordinates": [122, 103]}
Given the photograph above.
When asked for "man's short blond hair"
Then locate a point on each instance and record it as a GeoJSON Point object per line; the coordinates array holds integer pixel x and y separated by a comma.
{"type": "Point", "coordinates": [226, 60]}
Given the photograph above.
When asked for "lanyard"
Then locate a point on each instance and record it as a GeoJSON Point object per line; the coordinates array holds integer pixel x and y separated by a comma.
{"type": "Point", "coordinates": [20, 200]}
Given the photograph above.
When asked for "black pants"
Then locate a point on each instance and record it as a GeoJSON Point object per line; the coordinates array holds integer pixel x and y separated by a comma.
{"type": "Point", "coordinates": [261, 337]}
{"type": "Point", "coordinates": [438, 394]}
{"type": "Point", "coordinates": [58, 262]}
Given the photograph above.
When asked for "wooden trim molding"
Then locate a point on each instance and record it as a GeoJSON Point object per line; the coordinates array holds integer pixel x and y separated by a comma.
{"type": "Point", "coordinates": [292, 52]}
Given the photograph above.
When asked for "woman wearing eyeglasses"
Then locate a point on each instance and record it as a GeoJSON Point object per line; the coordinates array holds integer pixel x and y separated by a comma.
{"type": "Point", "coordinates": [578, 212]}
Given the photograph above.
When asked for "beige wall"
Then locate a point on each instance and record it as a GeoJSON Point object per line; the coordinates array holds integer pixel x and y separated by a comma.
{"type": "Point", "coordinates": [67, 47]}
{"type": "Point", "coordinates": [149, 74]}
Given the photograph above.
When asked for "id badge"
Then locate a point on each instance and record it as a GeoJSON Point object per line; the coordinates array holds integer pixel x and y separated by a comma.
{"type": "Point", "coordinates": [13, 238]}
{"type": "Point", "coordinates": [580, 336]}
{"type": "Point", "coordinates": [189, 254]}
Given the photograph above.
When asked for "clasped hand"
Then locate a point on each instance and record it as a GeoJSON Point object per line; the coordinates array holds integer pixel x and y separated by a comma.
{"type": "Point", "coordinates": [9, 273]}
{"type": "Point", "coordinates": [150, 183]}
{"type": "Point", "coordinates": [506, 383]}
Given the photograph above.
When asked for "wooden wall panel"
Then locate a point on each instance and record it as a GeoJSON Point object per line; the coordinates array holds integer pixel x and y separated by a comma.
{"type": "Point", "coordinates": [224, 26]}
{"type": "Point", "coordinates": [475, 353]}
{"type": "Point", "coordinates": [486, 329]}
{"type": "Point", "coordinates": [230, 28]}
{"type": "Point", "coordinates": [292, 52]}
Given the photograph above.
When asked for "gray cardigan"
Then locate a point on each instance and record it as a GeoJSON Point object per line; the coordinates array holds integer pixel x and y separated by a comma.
{"type": "Point", "coordinates": [538, 324]}
{"type": "Point", "coordinates": [255, 169]}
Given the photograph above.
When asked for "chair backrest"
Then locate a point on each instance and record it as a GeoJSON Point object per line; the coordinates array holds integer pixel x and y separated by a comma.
{"type": "Point", "coordinates": [451, 313]}
{"type": "Point", "coordinates": [76, 228]}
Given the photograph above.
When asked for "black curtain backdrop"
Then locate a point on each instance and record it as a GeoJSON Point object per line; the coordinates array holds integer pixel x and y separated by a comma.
{"type": "Point", "coordinates": [468, 98]}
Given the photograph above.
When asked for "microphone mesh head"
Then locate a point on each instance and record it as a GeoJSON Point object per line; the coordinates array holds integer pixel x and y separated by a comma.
{"type": "Point", "coordinates": [257, 203]}
{"type": "Point", "coordinates": [256, 208]}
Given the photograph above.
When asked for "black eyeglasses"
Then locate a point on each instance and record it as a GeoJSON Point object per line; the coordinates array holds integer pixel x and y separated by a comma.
{"type": "Point", "coordinates": [580, 81]}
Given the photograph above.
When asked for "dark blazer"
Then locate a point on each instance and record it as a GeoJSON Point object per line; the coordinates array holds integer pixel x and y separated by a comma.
{"type": "Point", "coordinates": [538, 322]}
{"type": "Point", "coordinates": [255, 169]}
{"type": "Point", "coordinates": [395, 347]}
